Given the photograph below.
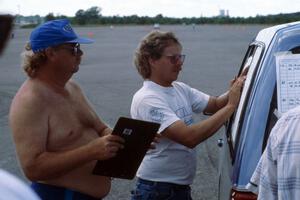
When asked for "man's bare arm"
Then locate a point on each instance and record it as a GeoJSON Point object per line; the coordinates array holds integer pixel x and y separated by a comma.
{"type": "Point", "coordinates": [216, 103]}
{"type": "Point", "coordinates": [193, 135]}
{"type": "Point", "coordinates": [101, 128]}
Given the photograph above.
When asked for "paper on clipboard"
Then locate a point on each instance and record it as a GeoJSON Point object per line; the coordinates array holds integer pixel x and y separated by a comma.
{"type": "Point", "coordinates": [288, 81]}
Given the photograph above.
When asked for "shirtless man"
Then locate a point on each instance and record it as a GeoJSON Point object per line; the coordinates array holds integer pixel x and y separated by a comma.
{"type": "Point", "coordinates": [58, 136]}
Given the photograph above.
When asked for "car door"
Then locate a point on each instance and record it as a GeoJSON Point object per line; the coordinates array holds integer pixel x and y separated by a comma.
{"type": "Point", "coordinates": [252, 60]}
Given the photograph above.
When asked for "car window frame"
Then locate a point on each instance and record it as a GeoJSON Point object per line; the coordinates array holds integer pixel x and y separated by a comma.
{"type": "Point", "coordinates": [236, 121]}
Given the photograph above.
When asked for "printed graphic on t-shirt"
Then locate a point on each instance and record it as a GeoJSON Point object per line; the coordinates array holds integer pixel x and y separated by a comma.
{"type": "Point", "coordinates": [181, 112]}
{"type": "Point", "coordinates": [156, 115]}
{"type": "Point", "coordinates": [184, 115]}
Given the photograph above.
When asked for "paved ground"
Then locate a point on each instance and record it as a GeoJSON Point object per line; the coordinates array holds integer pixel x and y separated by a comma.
{"type": "Point", "coordinates": [214, 54]}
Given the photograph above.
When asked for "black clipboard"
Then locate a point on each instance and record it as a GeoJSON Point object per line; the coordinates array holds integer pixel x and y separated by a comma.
{"type": "Point", "coordinates": [138, 136]}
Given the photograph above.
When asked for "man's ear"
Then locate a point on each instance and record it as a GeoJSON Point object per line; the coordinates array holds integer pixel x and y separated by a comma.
{"type": "Point", "coordinates": [50, 53]}
{"type": "Point", "coordinates": [151, 61]}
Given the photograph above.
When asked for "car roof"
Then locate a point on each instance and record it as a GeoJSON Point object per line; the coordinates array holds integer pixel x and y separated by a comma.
{"type": "Point", "coordinates": [266, 35]}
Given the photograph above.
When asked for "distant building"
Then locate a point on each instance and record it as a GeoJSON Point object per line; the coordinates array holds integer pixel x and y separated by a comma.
{"type": "Point", "coordinates": [28, 20]}
{"type": "Point", "coordinates": [223, 13]}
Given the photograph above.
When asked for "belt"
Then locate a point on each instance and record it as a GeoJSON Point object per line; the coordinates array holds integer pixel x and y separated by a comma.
{"type": "Point", "coordinates": [163, 184]}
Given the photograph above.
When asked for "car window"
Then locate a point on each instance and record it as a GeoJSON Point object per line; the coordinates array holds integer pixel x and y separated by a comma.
{"type": "Point", "coordinates": [272, 119]}
{"type": "Point", "coordinates": [251, 60]}
{"type": "Point", "coordinates": [273, 116]}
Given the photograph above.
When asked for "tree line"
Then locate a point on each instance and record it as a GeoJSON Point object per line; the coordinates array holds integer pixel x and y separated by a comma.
{"type": "Point", "coordinates": [92, 16]}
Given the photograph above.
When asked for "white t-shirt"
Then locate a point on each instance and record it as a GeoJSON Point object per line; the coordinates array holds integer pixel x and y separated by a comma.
{"type": "Point", "coordinates": [11, 188]}
{"type": "Point", "coordinates": [169, 161]}
{"type": "Point", "coordinates": [277, 174]}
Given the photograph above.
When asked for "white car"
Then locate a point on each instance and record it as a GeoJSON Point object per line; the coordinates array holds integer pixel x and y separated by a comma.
{"type": "Point", "coordinates": [263, 99]}
{"type": "Point", "coordinates": [156, 26]}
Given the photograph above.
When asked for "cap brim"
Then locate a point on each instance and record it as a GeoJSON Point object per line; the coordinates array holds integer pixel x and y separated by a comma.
{"type": "Point", "coordinates": [81, 40]}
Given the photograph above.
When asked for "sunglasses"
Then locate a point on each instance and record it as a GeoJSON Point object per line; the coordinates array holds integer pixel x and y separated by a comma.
{"type": "Point", "coordinates": [175, 59]}
{"type": "Point", "coordinates": [75, 50]}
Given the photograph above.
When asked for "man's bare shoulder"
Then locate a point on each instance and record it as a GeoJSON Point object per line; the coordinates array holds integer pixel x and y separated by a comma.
{"type": "Point", "coordinates": [74, 86]}
{"type": "Point", "coordinates": [31, 92]}
{"type": "Point", "coordinates": [31, 95]}
{"type": "Point", "coordinates": [28, 108]}
{"type": "Point", "coordinates": [75, 89]}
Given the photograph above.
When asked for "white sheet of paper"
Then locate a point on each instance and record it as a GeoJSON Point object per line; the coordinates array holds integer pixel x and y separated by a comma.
{"type": "Point", "coordinates": [288, 81]}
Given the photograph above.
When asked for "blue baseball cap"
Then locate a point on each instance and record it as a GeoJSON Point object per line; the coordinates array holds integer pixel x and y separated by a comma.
{"type": "Point", "coordinates": [53, 33]}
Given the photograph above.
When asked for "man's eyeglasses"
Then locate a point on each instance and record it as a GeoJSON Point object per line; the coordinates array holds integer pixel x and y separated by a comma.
{"type": "Point", "coordinates": [75, 50]}
{"type": "Point", "coordinates": [174, 59]}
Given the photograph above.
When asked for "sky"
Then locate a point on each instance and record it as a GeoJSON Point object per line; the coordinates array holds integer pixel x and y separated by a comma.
{"type": "Point", "coordinates": [151, 8]}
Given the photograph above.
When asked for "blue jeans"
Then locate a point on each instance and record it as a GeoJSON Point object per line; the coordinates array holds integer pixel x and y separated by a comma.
{"type": "Point", "coordinates": [150, 190]}
{"type": "Point", "coordinates": [51, 192]}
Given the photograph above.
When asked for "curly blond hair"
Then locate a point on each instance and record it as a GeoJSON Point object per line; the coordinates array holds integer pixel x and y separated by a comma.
{"type": "Point", "coordinates": [152, 46]}
{"type": "Point", "coordinates": [32, 61]}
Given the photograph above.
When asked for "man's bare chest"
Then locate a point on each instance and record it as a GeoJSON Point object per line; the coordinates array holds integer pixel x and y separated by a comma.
{"type": "Point", "coordinates": [70, 122]}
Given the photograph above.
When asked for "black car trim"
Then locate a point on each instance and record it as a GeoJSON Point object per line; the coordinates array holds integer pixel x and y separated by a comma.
{"type": "Point", "coordinates": [242, 115]}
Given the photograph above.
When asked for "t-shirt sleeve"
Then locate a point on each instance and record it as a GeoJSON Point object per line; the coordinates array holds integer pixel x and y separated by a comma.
{"type": "Point", "coordinates": [154, 109]}
{"type": "Point", "coordinates": [198, 99]}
